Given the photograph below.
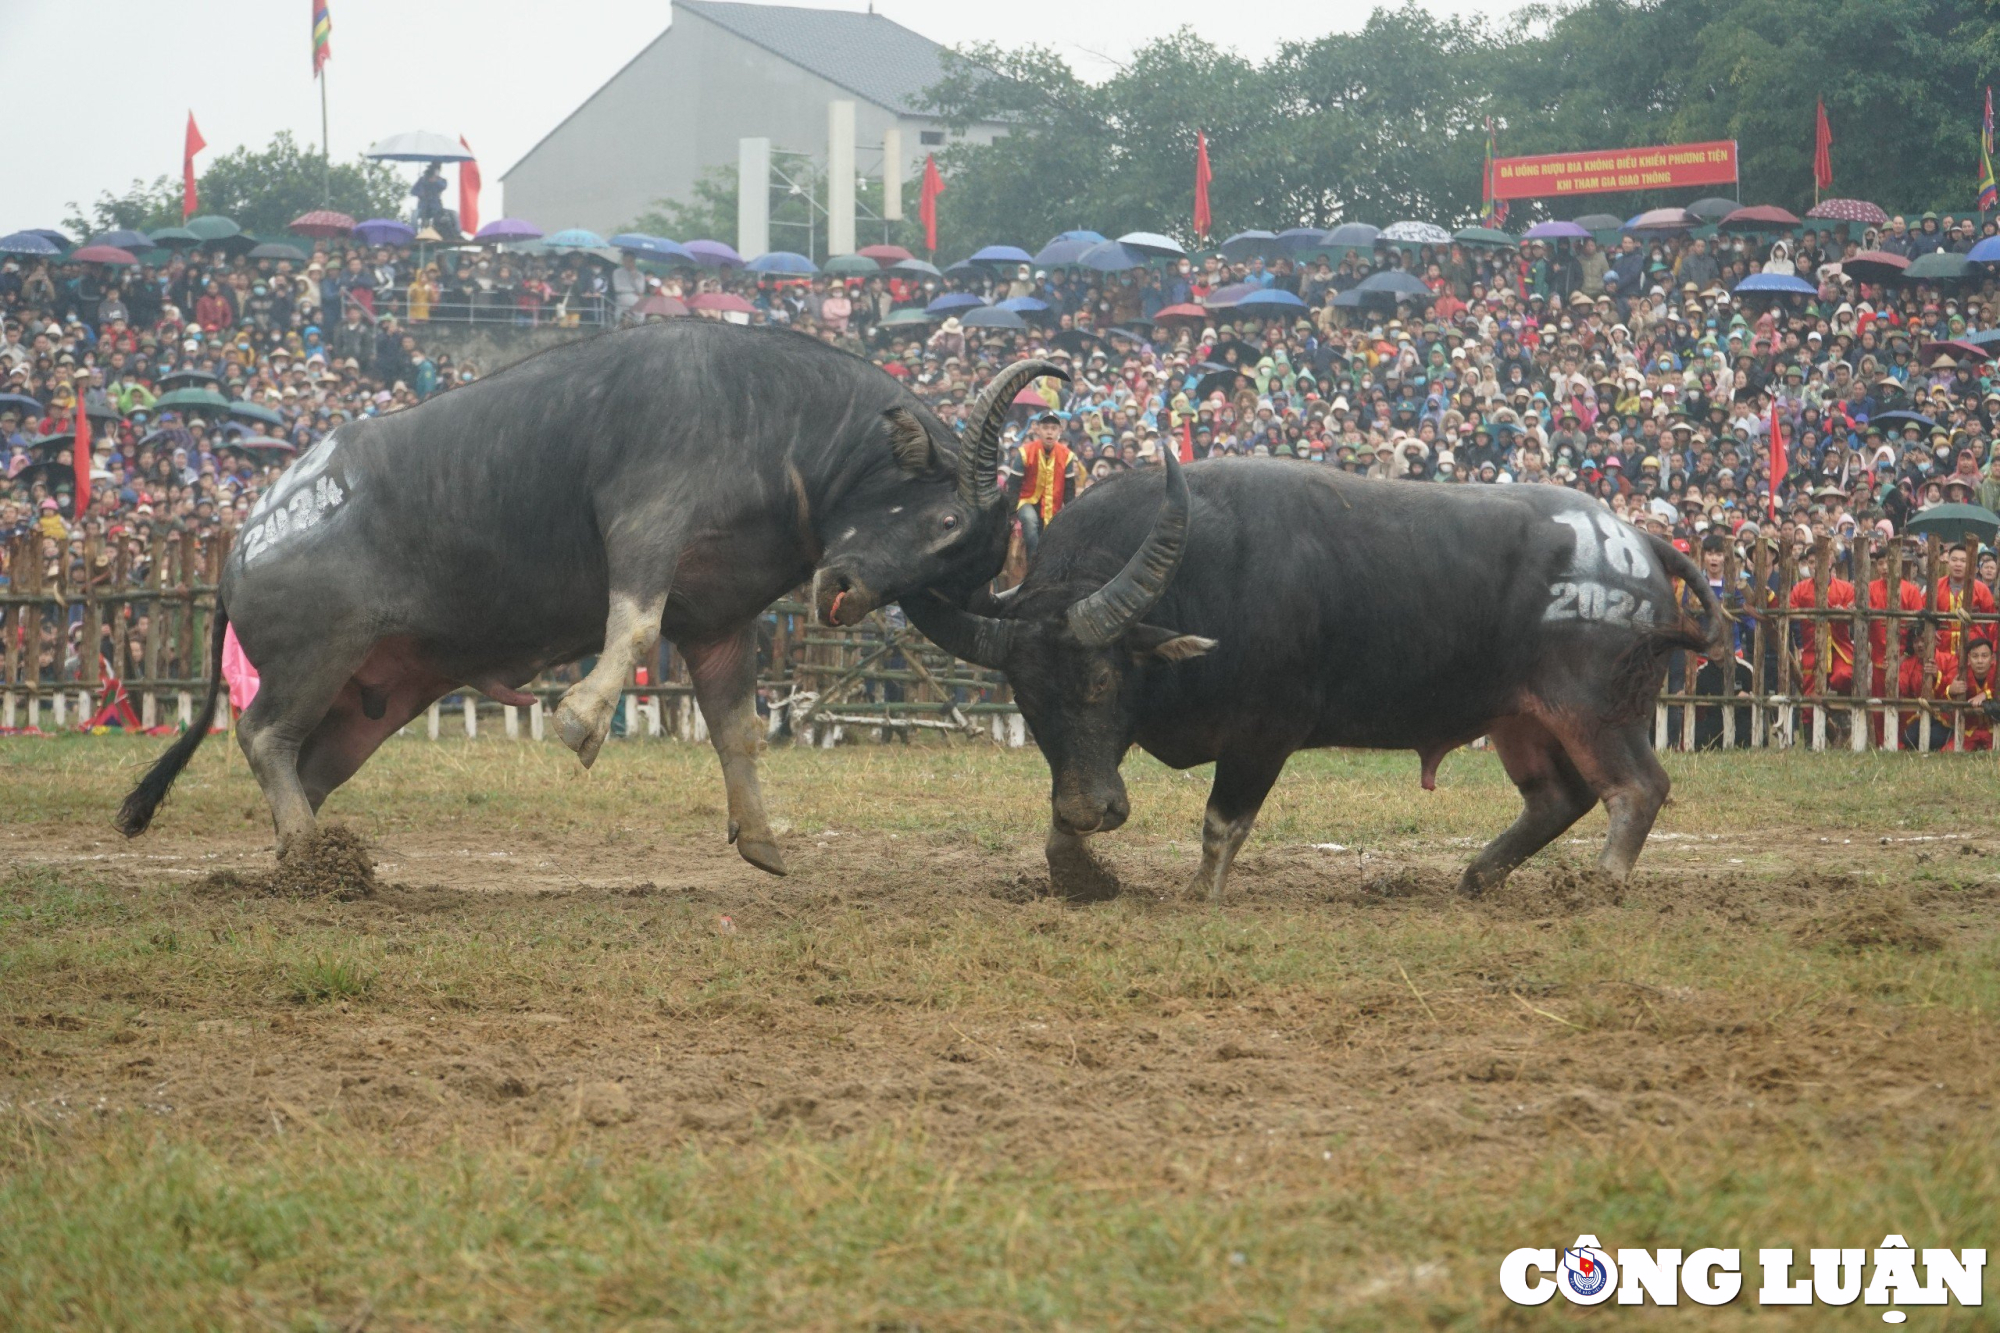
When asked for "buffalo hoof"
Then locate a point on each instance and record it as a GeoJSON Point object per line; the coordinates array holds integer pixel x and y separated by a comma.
{"type": "Point", "coordinates": [762, 853]}
{"type": "Point", "coordinates": [1080, 879]}
{"type": "Point", "coordinates": [580, 733]}
{"type": "Point", "coordinates": [1472, 884]}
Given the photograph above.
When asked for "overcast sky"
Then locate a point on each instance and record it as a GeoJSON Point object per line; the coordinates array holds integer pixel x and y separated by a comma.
{"type": "Point", "coordinates": [98, 91]}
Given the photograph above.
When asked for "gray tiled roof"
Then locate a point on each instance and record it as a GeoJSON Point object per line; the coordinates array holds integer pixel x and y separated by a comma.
{"type": "Point", "coordinates": [871, 56]}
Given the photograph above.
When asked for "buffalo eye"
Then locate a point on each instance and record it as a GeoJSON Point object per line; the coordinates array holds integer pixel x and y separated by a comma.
{"type": "Point", "coordinates": [950, 523]}
{"type": "Point", "coordinates": [1097, 684]}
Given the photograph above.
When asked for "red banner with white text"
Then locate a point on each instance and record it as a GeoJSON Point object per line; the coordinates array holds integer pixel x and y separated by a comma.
{"type": "Point", "coordinates": [1662, 167]}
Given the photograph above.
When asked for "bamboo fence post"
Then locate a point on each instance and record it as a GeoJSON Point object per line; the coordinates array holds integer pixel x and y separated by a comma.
{"type": "Point", "coordinates": [1822, 631]}
{"type": "Point", "coordinates": [1862, 648]}
{"type": "Point", "coordinates": [1788, 578]}
{"type": "Point", "coordinates": [1892, 659]}
{"type": "Point", "coordinates": [1756, 602]}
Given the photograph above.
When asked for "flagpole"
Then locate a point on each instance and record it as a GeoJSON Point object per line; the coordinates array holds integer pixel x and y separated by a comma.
{"type": "Point", "coordinates": [325, 145]}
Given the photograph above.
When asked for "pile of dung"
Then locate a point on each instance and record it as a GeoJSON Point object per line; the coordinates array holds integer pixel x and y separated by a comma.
{"type": "Point", "coordinates": [1873, 920]}
{"type": "Point", "coordinates": [333, 861]}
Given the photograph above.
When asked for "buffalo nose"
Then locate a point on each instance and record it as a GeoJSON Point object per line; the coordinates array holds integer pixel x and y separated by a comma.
{"type": "Point", "coordinates": [1115, 811]}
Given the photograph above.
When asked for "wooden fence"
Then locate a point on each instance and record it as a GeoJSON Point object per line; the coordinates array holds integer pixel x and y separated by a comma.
{"type": "Point", "coordinates": [148, 609]}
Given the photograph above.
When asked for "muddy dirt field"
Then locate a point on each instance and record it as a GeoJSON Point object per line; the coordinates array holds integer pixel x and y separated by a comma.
{"type": "Point", "coordinates": [1798, 986]}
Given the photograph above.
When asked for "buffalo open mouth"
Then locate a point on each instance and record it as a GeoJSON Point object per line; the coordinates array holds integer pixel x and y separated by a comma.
{"type": "Point", "coordinates": [841, 600]}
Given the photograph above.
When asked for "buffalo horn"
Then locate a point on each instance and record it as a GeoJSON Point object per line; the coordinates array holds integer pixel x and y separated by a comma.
{"type": "Point", "coordinates": [980, 640]}
{"type": "Point", "coordinates": [1103, 617]}
{"type": "Point", "coordinates": [979, 454]}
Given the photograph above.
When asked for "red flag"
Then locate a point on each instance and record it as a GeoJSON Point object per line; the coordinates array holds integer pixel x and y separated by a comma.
{"type": "Point", "coordinates": [927, 202]}
{"type": "Point", "coordinates": [190, 199]}
{"type": "Point", "coordinates": [1202, 176]}
{"type": "Point", "coordinates": [1822, 152]}
{"type": "Point", "coordinates": [1779, 463]}
{"type": "Point", "coordinates": [80, 452]}
{"type": "Point", "coordinates": [468, 192]}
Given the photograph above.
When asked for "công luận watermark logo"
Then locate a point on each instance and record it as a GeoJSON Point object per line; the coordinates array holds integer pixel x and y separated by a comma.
{"type": "Point", "coordinates": [1585, 1273]}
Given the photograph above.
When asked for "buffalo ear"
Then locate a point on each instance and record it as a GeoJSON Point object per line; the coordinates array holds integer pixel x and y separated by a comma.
{"type": "Point", "coordinates": [1144, 641]}
{"type": "Point", "coordinates": [909, 441]}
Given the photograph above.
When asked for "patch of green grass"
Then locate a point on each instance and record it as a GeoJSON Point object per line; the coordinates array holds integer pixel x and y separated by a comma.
{"type": "Point", "coordinates": [323, 979]}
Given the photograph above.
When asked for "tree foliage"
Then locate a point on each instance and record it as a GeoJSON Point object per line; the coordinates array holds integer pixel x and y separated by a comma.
{"type": "Point", "coordinates": [1389, 121]}
{"type": "Point", "coordinates": [262, 189]}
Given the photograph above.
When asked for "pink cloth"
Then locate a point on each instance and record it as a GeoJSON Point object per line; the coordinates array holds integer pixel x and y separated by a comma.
{"type": "Point", "coordinates": [237, 671]}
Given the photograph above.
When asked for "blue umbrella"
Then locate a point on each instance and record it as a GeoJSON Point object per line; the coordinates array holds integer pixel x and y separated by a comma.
{"type": "Point", "coordinates": [1298, 240]}
{"type": "Point", "coordinates": [124, 239]}
{"type": "Point", "coordinates": [1353, 234]}
{"type": "Point", "coordinates": [1899, 419]}
{"type": "Point", "coordinates": [993, 317]}
{"type": "Point", "coordinates": [1230, 295]}
{"type": "Point", "coordinates": [1080, 234]}
{"type": "Point", "coordinates": [1986, 252]}
{"type": "Point", "coordinates": [1354, 297]}
{"type": "Point", "coordinates": [1985, 338]}
{"type": "Point", "coordinates": [1024, 305]}
{"type": "Point", "coordinates": [385, 231]}
{"type": "Point", "coordinates": [28, 243]}
{"type": "Point", "coordinates": [52, 236]}
{"type": "Point", "coordinates": [1394, 282]}
{"type": "Point", "coordinates": [951, 301]}
{"type": "Point", "coordinates": [1271, 299]}
{"type": "Point", "coordinates": [574, 238]}
{"type": "Point", "coordinates": [18, 402]}
{"type": "Point", "coordinates": [1112, 257]}
{"type": "Point", "coordinates": [1152, 243]}
{"type": "Point", "coordinates": [1251, 244]}
{"type": "Point", "coordinates": [1556, 231]}
{"type": "Point", "coordinates": [782, 261]}
{"type": "Point", "coordinates": [652, 247]}
{"type": "Point", "coordinates": [1061, 252]}
{"type": "Point", "coordinates": [1002, 254]}
{"type": "Point", "coordinates": [714, 254]}
{"type": "Point", "coordinates": [1776, 282]}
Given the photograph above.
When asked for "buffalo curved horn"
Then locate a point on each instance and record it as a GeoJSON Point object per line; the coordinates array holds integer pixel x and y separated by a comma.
{"type": "Point", "coordinates": [1103, 617]}
{"type": "Point", "coordinates": [979, 453]}
{"type": "Point", "coordinates": [980, 640]}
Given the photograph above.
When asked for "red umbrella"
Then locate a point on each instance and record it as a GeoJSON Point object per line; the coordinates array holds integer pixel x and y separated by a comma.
{"type": "Point", "coordinates": [723, 302]}
{"type": "Point", "coordinates": [1847, 210]}
{"type": "Point", "coordinates": [104, 254]}
{"type": "Point", "coordinates": [885, 255]}
{"type": "Point", "coordinates": [1664, 219]}
{"type": "Point", "coordinates": [659, 303]}
{"type": "Point", "coordinates": [1183, 311]}
{"type": "Point", "coordinates": [1875, 266]}
{"type": "Point", "coordinates": [323, 224]}
{"type": "Point", "coordinates": [1760, 217]}
{"type": "Point", "coordinates": [1963, 351]}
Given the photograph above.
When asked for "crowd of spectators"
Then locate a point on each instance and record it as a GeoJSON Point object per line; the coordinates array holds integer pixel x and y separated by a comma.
{"type": "Point", "coordinates": [1632, 370]}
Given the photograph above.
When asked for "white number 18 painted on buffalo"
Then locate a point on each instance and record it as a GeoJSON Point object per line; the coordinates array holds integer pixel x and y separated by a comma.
{"type": "Point", "coordinates": [1604, 547]}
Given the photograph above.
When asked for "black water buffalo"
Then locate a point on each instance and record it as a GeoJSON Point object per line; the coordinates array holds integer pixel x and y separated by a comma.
{"type": "Point", "coordinates": [673, 479]}
{"type": "Point", "coordinates": [1264, 607]}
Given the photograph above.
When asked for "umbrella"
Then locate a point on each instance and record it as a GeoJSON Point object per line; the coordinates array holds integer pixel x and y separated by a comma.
{"type": "Point", "coordinates": [1875, 266]}
{"type": "Point", "coordinates": [1298, 240]}
{"type": "Point", "coordinates": [1023, 305]}
{"type": "Point", "coordinates": [1416, 233]}
{"type": "Point", "coordinates": [323, 224]}
{"type": "Point", "coordinates": [256, 412]}
{"type": "Point", "coordinates": [1776, 283]}
{"type": "Point", "coordinates": [1955, 522]}
{"type": "Point", "coordinates": [1246, 353]}
{"type": "Point", "coordinates": [192, 398]}
{"type": "Point", "coordinates": [1986, 252]}
{"type": "Point", "coordinates": [1558, 231]}
{"type": "Point", "coordinates": [505, 229]}
{"type": "Point", "coordinates": [781, 261]}
{"type": "Point", "coordinates": [1223, 381]}
{"type": "Point", "coordinates": [104, 254]}
{"type": "Point", "coordinates": [1152, 243]}
{"type": "Point", "coordinates": [1353, 235]}
{"type": "Point", "coordinates": [1223, 297]}
{"type": "Point", "coordinates": [1488, 237]}
{"type": "Point", "coordinates": [388, 231]}
{"type": "Point", "coordinates": [278, 250]}
{"type": "Point", "coordinates": [19, 402]}
{"type": "Point", "coordinates": [1713, 209]}
{"type": "Point", "coordinates": [1112, 257]}
{"type": "Point", "coordinates": [1847, 210]}
{"type": "Point", "coordinates": [1354, 298]}
{"type": "Point", "coordinates": [1664, 219]}
{"type": "Point", "coordinates": [174, 238]}
{"type": "Point", "coordinates": [418, 146]}
{"type": "Point", "coordinates": [656, 248]}
{"type": "Point", "coordinates": [1396, 283]}
{"type": "Point", "coordinates": [851, 266]}
{"type": "Point", "coordinates": [728, 303]}
{"type": "Point", "coordinates": [1596, 222]}
{"type": "Point", "coordinates": [1898, 419]}
{"type": "Point", "coordinates": [1062, 253]}
{"type": "Point", "coordinates": [124, 239]}
{"type": "Point", "coordinates": [661, 306]}
{"type": "Point", "coordinates": [910, 315]}
{"type": "Point", "coordinates": [993, 317]}
{"type": "Point", "coordinates": [915, 266]}
{"type": "Point", "coordinates": [55, 476]}
{"type": "Point", "coordinates": [1075, 341]}
{"type": "Point", "coordinates": [951, 301]}
{"type": "Point", "coordinates": [51, 444]}
{"type": "Point", "coordinates": [186, 377]}
{"type": "Point", "coordinates": [574, 238]}
{"type": "Point", "coordinates": [97, 404]}
{"type": "Point", "coordinates": [1271, 300]}
{"type": "Point", "coordinates": [1939, 266]}
{"type": "Point", "coordinates": [1252, 245]}
{"type": "Point", "coordinates": [53, 237]}
{"type": "Point", "coordinates": [1962, 349]}
{"type": "Point", "coordinates": [1759, 217]}
{"type": "Point", "coordinates": [884, 255]}
{"type": "Point", "coordinates": [213, 227]}
{"type": "Point", "coordinates": [1191, 312]}
{"type": "Point", "coordinates": [28, 243]}
{"type": "Point", "coordinates": [1986, 338]}
{"type": "Point", "coordinates": [261, 444]}
{"type": "Point", "coordinates": [1001, 254]}
{"type": "Point", "coordinates": [1079, 234]}
{"type": "Point", "coordinates": [714, 254]}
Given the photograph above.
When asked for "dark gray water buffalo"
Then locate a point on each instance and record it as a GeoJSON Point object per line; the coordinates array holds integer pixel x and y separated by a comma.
{"type": "Point", "coordinates": [675, 478]}
{"type": "Point", "coordinates": [1312, 608]}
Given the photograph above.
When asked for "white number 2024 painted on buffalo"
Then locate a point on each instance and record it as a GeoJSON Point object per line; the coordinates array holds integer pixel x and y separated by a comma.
{"type": "Point", "coordinates": [1606, 548]}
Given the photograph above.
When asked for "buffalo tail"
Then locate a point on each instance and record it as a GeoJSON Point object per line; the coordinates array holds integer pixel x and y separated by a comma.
{"type": "Point", "coordinates": [137, 812]}
{"type": "Point", "coordinates": [1712, 640]}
